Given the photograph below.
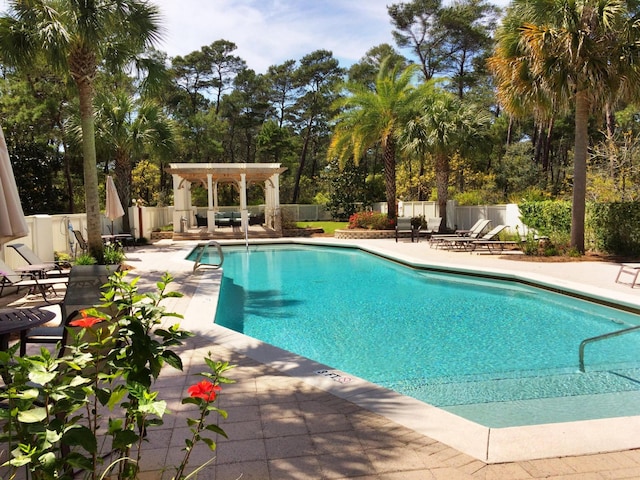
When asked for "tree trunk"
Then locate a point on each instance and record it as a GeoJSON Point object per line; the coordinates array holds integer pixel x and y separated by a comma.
{"type": "Point", "coordinates": [92, 202]}
{"type": "Point", "coordinates": [303, 159]}
{"type": "Point", "coordinates": [546, 152]}
{"type": "Point", "coordinates": [122, 180]}
{"type": "Point", "coordinates": [422, 194]}
{"type": "Point", "coordinates": [390, 176]}
{"type": "Point", "coordinates": [442, 185]}
{"type": "Point", "coordinates": [510, 130]}
{"type": "Point", "coordinates": [610, 118]}
{"type": "Point", "coordinates": [580, 170]}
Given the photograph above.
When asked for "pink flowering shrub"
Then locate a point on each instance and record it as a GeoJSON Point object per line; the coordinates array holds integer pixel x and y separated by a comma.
{"type": "Point", "coordinates": [371, 221]}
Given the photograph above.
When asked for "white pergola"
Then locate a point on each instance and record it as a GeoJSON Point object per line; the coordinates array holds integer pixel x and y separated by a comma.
{"type": "Point", "coordinates": [210, 175]}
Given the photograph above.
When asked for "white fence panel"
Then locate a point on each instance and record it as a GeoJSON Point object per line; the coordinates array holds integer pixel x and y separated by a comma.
{"type": "Point", "coordinates": [49, 233]}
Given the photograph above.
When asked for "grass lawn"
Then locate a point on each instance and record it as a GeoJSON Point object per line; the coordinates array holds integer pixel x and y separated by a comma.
{"type": "Point", "coordinates": [328, 227]}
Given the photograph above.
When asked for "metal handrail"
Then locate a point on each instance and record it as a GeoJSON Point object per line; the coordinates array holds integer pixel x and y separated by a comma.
{"type": "Point", "coordinates": [204, 246]}
{"type": "Point", "coordinates": [601, 337]}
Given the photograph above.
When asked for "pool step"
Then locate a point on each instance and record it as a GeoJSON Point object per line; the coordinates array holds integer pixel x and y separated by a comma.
{"type": "Point", "coordinates": [470, 391]}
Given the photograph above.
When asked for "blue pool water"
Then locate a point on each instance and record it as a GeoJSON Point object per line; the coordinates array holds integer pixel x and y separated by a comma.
{"type": "Point", "coordinates": [496, 352]}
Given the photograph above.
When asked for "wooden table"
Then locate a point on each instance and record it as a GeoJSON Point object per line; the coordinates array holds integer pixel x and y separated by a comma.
{"type": "Point", "coordinates": [13, 320]}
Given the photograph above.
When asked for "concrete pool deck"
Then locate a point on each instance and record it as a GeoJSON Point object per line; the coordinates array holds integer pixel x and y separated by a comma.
{"type": "Point", "coordinates": [288, 419]}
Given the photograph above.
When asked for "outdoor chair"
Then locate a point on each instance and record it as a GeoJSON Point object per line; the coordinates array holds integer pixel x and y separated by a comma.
{"type": "Point", "coordinates": [82, 243]}
{"type": "Point", "coordinates": [466, 243]}
{"type": "Point", "coordinates": [11, 278]}
{"type": "Point", "coordinates": [495, 244]}
{"type": "Point", "coordinates": [83, 291]}
{"type": "Point", "coordinates": [49, 268]}
{"type": "Point", "coordinates": [474, 232]}
{"type": "Point", "coordinates": [404, 225]}
{"type": "Point", "coordinates": [433, 227]}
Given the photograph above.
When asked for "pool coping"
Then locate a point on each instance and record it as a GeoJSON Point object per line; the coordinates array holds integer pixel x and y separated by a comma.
{"type": "Point", "coordinates": [491, 445]}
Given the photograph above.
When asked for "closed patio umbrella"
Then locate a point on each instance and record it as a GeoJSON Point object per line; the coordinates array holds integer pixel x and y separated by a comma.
{"type": "Point", "coordinates": [113, 206]}
{"type": "Point", "coordinates": [12, 221]}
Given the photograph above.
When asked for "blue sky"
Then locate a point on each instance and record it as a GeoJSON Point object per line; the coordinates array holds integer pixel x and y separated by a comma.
{"type": "Point", "coordinates": [269, 32]}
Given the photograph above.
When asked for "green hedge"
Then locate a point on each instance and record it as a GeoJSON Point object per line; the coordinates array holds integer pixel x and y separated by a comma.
{"type": "Point", "coordinates": [612, 228]}
{"type": "Point", "coordinates": [548, 217]}
{"type": "Point", "coordinates": [615, 227]}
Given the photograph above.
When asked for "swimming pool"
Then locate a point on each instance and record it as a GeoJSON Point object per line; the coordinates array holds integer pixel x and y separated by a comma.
{"type": "Point", "coordinates": [497, 353]}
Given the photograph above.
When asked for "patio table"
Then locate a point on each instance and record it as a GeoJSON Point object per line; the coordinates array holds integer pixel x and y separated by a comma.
{"type": "Point", "coordinates": [13, 320]}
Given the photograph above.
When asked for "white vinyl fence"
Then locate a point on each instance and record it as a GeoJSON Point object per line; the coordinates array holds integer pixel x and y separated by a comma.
{"type": "Point", "coordinates": [50, 233]}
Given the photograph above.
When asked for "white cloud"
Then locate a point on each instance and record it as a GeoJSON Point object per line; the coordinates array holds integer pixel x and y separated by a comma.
{"type": "Point", "coordinates": [269, 32]}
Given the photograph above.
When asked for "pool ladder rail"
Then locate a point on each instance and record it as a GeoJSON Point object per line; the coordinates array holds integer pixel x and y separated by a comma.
{"type": "Point", "coordinates": [203, 248]}
{"type": "Point", "coordinates": [601, 337]}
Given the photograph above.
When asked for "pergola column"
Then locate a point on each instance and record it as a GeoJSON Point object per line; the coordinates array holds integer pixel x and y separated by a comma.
{"type": "Point", "coordinates": [211, 194]}
{"type": "Point", "coordinates": [244, 213]}
{"type": "Point", "coordinates": [182, 202]}
{"type": "Point", "coordinates": [277, 214]}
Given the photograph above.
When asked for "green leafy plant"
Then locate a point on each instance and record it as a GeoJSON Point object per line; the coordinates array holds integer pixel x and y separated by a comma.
{"type": "Point", "coordinates": [63, 415]}
{"type": "Point", "coordinates": [85, 259]}
{"type": "Point", "coordinates": [113, 254]}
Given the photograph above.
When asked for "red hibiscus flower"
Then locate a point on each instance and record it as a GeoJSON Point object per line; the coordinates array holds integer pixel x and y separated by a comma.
{"type": "Point", "coordinates": [205, 390]}
{"type": "Point", "coordinates": [85, 321]}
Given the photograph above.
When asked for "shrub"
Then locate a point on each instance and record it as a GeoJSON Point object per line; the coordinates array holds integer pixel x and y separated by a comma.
{"type": "Point", "coordinates": [113, 254]}
{"type": "Point", "coordinates": [371, 221]}
{"type": "Point", "coordinates": [60, 414]}
{"type": "Point", "coordinates": [547, 217]}
{"type": "Point", "coordinates": [615, 227]}
{"type": "Point", "coordinates": [85, 259]}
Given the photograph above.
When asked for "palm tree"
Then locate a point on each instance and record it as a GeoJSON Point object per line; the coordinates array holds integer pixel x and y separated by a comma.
{"type": "Point", "coordinates": [568, 54]}
{"type": "Point", "coordinates": [128, 130]}
{"type": "Point", "coordinates": [371, 117]}
{"type": "Point", "coordinates": [445, 125]}
{"type": "Point", "coordinates": [76, 36]}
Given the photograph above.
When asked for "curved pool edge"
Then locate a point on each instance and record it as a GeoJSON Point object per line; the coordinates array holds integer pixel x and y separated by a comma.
{"type": "Point", "coordinates": [491, 445]}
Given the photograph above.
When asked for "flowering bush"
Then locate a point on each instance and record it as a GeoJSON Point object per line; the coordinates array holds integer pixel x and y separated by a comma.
{"type": "Point", "coordinates": [65, 415]}
{"type": "Point", "coordinates": [371, 221]}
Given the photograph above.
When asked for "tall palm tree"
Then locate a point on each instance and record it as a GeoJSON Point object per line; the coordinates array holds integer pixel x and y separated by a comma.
{"type": "Point", "coordinates": [573, 54]}
{"type": "Point", "coordinates": [444, 125]}
{"type": "Point", "coordinates": [128, 130]}
{"type": "Point", "coordinates": [76, 36]}
{"type": "Point", "coordinates": [375, 117]}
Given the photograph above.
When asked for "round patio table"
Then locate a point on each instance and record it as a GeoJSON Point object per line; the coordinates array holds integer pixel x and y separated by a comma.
{"type": "Point", "coordinates": [13, 320]}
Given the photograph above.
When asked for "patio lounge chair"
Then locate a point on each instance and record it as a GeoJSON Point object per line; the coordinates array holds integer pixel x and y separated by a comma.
{"type": "Point", "coordinates": [404, 225]}
{"type": "Point", "coordinates": [474, 232]}
{"type": "Point", "coordinates": [433, 227]}
{"type": "Point", "coordinates": [49, 268]}
{"type": "Point", "coordinates": [632, 269]}
{"type": "Point", "coordinates": [495, 244]}
{"type": "Point", "coordinates": [466, 243]}
{"type": "Point", "coordinates": [11, 278]}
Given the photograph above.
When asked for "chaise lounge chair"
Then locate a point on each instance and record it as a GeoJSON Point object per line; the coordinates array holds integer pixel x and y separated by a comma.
{"type": "Point", "coordinates": [469, 243]}
{"type": "Point", "coordinates": [11, 278]}
{"type": "Point", "coordinates": [474, 232]}
{"type": "Point", "coordinates": [49, 268]}
{"type": "Point", "coordinates": [495, 244]}
{"type": "Point", "coordinates": [433, 227]}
